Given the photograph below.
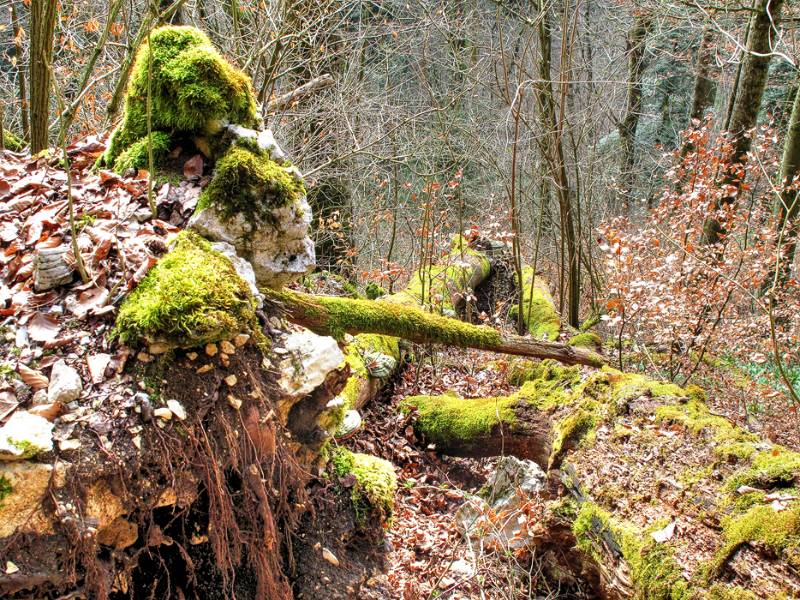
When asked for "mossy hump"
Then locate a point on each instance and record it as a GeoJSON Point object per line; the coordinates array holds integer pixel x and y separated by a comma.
{"type": "Point", "coordinates": [247, 182]}
{"type": "Point", "coordinates": [191, 297]}
{"type": "Point", "coordinates": [193, 88]}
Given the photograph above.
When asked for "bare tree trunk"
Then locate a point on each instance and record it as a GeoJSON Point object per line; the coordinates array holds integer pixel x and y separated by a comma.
{"type": "Point", "coordinates": [762, 37]}
{"type": "Point", "coordinates": [635, 47]}
{"type": "Point", "coordinates": [43, 22]}
{"type": "Point", "coordinates": [23, 94]}
{"type": "Point", "coordinates": [705, 88]}
{"type": "Point", "coordinates": [553, 151]}
{"type": "Point", "coordinates": [789, 205]}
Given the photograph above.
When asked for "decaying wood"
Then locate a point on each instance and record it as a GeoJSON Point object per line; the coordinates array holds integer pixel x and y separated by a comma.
{"type": "Point", "coordinates": [652, 495]}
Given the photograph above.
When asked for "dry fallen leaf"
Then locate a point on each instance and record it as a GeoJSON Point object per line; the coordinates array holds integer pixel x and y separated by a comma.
{"type": "Point", "coordinates": [43, 328]}
{"type": "Point", "coordinates": [36, 380]}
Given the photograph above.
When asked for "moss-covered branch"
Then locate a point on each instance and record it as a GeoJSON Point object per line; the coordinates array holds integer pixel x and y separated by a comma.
{"type": "Point", "coordinates": [328, 315]}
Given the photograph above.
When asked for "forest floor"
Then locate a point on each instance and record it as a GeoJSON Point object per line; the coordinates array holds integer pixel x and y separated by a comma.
{"type": "Point", "coordinates": [426, 554]}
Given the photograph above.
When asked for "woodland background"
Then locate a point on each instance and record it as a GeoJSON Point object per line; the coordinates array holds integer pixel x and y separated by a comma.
{"type": "Point", "coordinates": [641, 155]}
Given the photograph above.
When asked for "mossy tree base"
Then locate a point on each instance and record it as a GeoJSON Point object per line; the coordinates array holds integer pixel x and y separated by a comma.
{"type": "Point", "coordinates": [653, 497]}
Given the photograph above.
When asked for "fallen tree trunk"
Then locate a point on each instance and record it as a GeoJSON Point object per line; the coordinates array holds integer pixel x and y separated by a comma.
{"type": "Point", "coordinates": [373, 358]}
{"type": "Point", "coordinates": [328, 315]}
{"type": "Point", "coordinates": [652, 496]}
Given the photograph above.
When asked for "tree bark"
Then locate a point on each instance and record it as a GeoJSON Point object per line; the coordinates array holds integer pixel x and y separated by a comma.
{"type": "Point", "coordinates": [23, 94]}
{"type": "Point", "coordinates": [705, 88]}
{"type": "Point", "coordinates": [762, 36]}
{"type": "Point", "coordinates": [636, 45]}
{"type": "Point", "coordinates": [328, 315]}
{"type": "Point", "coordinates": [43, 22]}
{"type": "Point", "coordinates": [789, 203]}
{"type": "Point", "coordinates": [553, 150]}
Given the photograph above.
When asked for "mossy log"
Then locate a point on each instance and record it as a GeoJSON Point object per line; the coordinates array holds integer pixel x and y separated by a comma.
{"type": "Point", "coordinates": [328, 315]}
{"type": "Point", "coordinates": [369, 354]}
{"type": "Point", "coordinates": [652, 496]}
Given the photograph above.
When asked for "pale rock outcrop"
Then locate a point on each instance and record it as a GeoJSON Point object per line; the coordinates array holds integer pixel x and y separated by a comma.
{"type": "Point", "coordinates": [279, 249]}
{"type": "Point", "coordinates": [307, 360]}
{"type": "Point", "coordinates": [496, 516]}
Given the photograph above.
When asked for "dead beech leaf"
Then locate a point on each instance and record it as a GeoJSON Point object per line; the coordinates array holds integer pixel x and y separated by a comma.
{"type": "Point", "coordinates": [97, 366]}
{"type": "Point", "coordinates": [43, 328]}
{"type": "Point", "coordinates": [193, 168]}
{"type": "Point", "coordinates": [87, 301]}
{"type": "Point", "coordinates": [33, 378]}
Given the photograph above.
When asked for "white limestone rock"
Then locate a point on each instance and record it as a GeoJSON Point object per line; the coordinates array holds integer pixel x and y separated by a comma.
{"type": "Point", "coordinates": [309, 360]}
{"type": "Point", "coordinates": [25, 435]}
{"type": "Point", "coordinates": [513, 483]}
{"type": "Point", "coordinates": [65, 384]}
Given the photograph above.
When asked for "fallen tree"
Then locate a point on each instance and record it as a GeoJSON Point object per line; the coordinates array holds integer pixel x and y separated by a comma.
{"type": "Point", "coordinates": [329, 315]}
{"type": "Point", "coordinates": [652, 496]}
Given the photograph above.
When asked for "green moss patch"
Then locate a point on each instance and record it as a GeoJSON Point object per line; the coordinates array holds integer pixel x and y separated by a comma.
{"type": "Point", "coordinates": [12, 142]}
{"type": "Point", "coordinates": [778, 531]}
{"type": "Point", "coordinates": [776, 467]}
{"type": "Point", "coordinates": [137, 156]}
{"type": "Point", "coordinates": [191, 297]}
{"type": "Point", "coordinates": [193, 88]}
{"type": "Point", "coordinates": [586, 340]}
{"type": "Point", "coordinates": [375, 483]}
{"type": "Point", "coordinates": [539, 312]}
{"type": "Point", "coordinates": [247, 182]}
{"type": "Point", "coordinates": [436, 285]}
{"type": "Point", "coordinates": [654, 572]}
{"type": "Point", "coordinates": [450, 418]}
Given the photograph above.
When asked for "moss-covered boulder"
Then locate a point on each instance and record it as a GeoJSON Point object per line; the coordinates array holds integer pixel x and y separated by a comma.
{"type": "Point", "coordinates": [374, 485]}
{"type": "Point", "coordinates": [193, 296]}
{"type": "Point", "coordinates": [193, 90]}
{"type": "Point", "coordinates": [259, 206]}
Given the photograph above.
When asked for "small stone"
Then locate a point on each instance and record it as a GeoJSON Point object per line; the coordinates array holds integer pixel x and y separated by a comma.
{"type": "Point", "coordinates": [204, 369]}
{"type": "Point", "coordinates": [224, 360]}
{"type": "Point", "coordinates": [330, 557]}
{"type": "Point", "coordinates": [191, 355]}
{"type": "Point", "coordinates": [211, 349]}
{"type": "Point", "coordinates": [241, 339]}
{"type": "Point", "coordinates": [137, 441]}
{"type": "Point", "coordinates": [39, 397]}
{"type": "Point", "coordinates": [11, 568]}
{"type": "Point", "coordinates": [65, 384]}
{"type": "Point", "coordinates": [144, 357]}
{"type": "Point", "coordinates": [227, 347]}
{"type": "Point", "coordinates": [234, 401]}
{"type": "Point", "coordinates": [163, 413]}
{"type": "Point", "coordinates": [158, 348]}
{"type": "Point", "coordinates": [177, 409]}
{"type": "Point", "coordinates": [231, 380]}
{"type": "Point", "coordinates": [70, 444]}
{"type": "Point", "coordinates": [24, 436]}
